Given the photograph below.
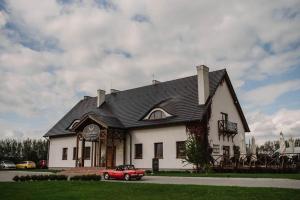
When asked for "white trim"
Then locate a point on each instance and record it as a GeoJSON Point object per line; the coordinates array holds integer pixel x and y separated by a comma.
{"type": "Point", "coordinates": [157, 109]}
{"type": "Point", "coordinates": [74, 122]}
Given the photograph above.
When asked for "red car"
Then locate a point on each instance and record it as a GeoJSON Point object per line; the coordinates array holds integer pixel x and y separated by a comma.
{"type": "Point", "coordinates": [43, 164]}
{"type": "Point", "coordinates": [123, 172]}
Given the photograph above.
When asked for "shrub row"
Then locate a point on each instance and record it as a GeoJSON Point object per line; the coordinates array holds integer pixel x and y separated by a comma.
{"type": "Point", "coordinates": [40, 178]}
{"type": "Point", "coordinates": [92, 177]}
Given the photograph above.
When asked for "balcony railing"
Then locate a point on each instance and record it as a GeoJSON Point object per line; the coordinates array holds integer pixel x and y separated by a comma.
{"type": "Point", "coordinates": [227, 128]}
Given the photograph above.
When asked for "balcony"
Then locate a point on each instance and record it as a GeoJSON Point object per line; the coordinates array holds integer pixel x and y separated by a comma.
{"type": "Point", "coordinates": [227, 128]}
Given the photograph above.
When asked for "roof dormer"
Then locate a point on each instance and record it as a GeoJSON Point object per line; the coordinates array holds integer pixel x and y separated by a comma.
{"type": "Point", "coordinates": [157, 113]}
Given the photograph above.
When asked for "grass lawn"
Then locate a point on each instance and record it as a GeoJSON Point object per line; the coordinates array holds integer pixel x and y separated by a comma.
{"type": "Point", "coordinates": [232, 175]}
{"type": "Point", "coordinates": [116, 190]}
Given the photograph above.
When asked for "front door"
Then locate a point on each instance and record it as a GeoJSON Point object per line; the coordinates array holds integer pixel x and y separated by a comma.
{"type": "Point", "coordinates": [111, 157]}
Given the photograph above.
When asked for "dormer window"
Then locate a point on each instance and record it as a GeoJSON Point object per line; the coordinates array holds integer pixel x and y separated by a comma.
{"type": "Point", "coordinates": [74, 123]}
{"type": "Point", "coordinates": [157, 113]}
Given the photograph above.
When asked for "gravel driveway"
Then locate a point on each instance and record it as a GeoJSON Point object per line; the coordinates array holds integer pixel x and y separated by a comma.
{"type": "Point", "coordinates": [242, 182]}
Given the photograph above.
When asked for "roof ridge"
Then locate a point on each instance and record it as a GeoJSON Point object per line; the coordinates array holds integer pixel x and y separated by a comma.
{"type": "Point", "coordinates": [168, 81]}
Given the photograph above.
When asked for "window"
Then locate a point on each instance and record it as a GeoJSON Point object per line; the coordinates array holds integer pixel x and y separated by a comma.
{"type": "Point", "coordinates": [180, 149]}
{"type": "Point", "coordinates": [65, 154]}
{"type": "Point", "coordinates": [74, 153]}
{"type": "Point", "coordinates": [158, 114]}
{"type": "Point", "coordinates": [138, 151]}
{"type": "Point", "coordinates": [158, 150]}
{"type": "Point", "coordinates": [224, 116]}
{"type": "Point", "coordinates": [297, 143]}
{"type": "Point", "coordinates": [216, 149]}
{"type": "Point", "coordinates": [87, 153]}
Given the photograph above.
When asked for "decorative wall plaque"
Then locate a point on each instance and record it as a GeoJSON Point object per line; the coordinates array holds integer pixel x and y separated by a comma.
{"type": "Point", "coordinates": [91, 132]}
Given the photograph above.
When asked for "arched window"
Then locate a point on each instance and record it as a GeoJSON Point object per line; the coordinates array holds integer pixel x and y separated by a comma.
{"type": "Point", "coordinates": [157, 113]}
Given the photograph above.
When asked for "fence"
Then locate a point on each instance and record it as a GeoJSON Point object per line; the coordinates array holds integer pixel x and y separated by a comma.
{"type": "Point", "coordinates": [276, 160]}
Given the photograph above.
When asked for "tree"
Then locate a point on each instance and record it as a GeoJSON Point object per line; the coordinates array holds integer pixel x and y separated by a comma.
{"type": "Point", "coordinates": [196, 153]}
{"type": "Point", "coordinates": [16, 151]}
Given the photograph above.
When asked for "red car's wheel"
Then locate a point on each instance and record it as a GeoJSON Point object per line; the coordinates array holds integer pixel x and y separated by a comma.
{"type": "Point", "coordinates": [106, 176]}
{"type": "Point", "coordinates": [127, 177]}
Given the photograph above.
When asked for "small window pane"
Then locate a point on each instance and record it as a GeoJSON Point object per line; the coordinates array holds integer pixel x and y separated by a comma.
{"type": "Point", "coordinates": [65, 154]}
{"type": "Point", "coordinates": [157, 115]}
{"type": "Point", "coordinates": [158, 150]}
{"type": "Point", "coordinates": [74, 153]}
{"type": "Point", "coordinates": [216, 149]}
{"type": "Point", "coordinates": [180, 149]}
{"type": "Point", "coordinates": [138, 151]}
{"type": "Point", "coordinates": [87, 153]}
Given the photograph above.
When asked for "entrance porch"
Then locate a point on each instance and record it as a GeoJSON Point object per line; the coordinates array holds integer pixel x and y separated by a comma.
{"type": "Point", "coordinates": [97, 144]}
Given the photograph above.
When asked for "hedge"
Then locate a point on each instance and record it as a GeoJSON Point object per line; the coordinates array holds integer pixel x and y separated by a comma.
{"type": "Point", "coordinates": [54, 177]}
{"type": "Point", "coordinates": [40, 178]}
{"type": "Point", "coordinates": [92, 177]}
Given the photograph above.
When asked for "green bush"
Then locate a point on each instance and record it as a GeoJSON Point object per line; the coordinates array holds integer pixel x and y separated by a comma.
{"type": "Point", "coordinates": [40, 178]}
{"type": "Point", "coordinates": [34, 177]}
{"type": "Point", "coordinates": [22, 178]}
{"type": "Point", "coordinates": [16, 178]}
{"type": "Point", "coordinates": [92, 177]}
{"type": "Point", "coordinates": [61, 177]}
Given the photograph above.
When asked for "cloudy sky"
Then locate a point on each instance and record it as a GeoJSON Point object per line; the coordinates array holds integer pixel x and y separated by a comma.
{"type": "Point", "coordinates": [52, 53]}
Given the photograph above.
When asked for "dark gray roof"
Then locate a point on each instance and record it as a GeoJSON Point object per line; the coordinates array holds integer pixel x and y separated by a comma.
{"type": "Point", "coordinates": [126, 109]}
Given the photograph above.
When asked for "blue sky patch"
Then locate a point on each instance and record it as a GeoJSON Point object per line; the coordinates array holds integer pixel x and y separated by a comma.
{"type": "Point", "coordinates": [140, 18]}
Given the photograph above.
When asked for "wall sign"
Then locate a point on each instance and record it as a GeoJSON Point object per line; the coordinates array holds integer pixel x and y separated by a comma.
{"type": "Point", "coordinates": [91, 132]}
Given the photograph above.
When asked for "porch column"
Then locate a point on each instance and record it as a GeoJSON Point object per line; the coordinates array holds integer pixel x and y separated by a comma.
{"type": "Point", "coordinates": [77, 146]}
{"type": "Point", "coordinates": [82, 152]}
{"type": "Point", "coordinates": [95, 154]}
{"type": "Point", "coordinates": [124, 149]}
{"type": "Point", "coordinates": [92, 154]}
{"type": "Point", "coordinates": [113, 151]}
{"type": "Point", "coordinates": [99, 152]}
{"type": "Point", "coordinates": [106, 148]}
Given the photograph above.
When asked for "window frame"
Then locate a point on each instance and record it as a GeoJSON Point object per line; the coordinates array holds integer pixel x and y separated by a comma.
{"type": "Point", "coordinates": [87, 156]}
{"type": "Point", "coordinates": [74, 153]}
{"type": "Point", "coordinates": [65, 153]}
{"type": "Point", "coordinates": [216, 147]}
{"type": "Point", "coordinates": [163, 114]}
{"type": "Point", "coordinates": [177, 150]}
{"type": "Point", "coordinates": [224, 116]}
{"type": "Point", "coordinates": [156, 150]}
{"type": "Point", "coordinates": [138, 155]}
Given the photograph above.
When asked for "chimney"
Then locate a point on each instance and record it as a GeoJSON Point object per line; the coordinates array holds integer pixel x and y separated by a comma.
{"type": "Point", "coordinates": [154, 82]}
{"type": "Point", "coordinates": [113, 91]}
{"type": "Point", "coordinates": [203, 83]}
{"type": "Point", "coordinates": [100, 97]}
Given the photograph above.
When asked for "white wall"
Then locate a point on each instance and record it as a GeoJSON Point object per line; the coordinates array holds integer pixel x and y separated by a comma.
{"type": "Point", "coordinates": [56, 148]}
{"type": "Point", "coordinates": [168, 136]}
{"type": "Point", "coordinates": [223, 102]}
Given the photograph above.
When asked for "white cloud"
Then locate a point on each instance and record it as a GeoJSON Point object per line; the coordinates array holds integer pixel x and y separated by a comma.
{"type": "Point", "coordinates": [267, 127]}
{"type": "Point", "coordinates": [266, 95]}
{"type": "Point", "coordinates": [96, 47]}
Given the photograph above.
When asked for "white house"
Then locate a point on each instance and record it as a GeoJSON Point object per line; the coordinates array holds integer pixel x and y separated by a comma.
{"type": "Point", "coordinates": [134, 126]}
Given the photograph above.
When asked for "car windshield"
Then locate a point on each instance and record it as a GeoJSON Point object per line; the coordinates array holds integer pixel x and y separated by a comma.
{"type": "Point", "coordinates": [130, 167]}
